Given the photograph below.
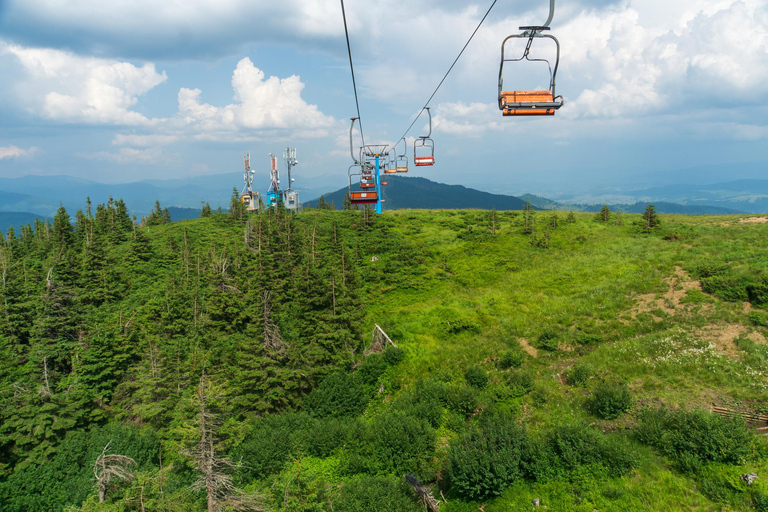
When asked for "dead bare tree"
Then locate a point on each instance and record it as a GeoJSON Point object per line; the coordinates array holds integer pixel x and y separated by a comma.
{"type": "Point", "coordinates": [422, 491]}
{"type": "Point", "coordinates": [272, 339]}
{"type": "Point", "coordinates": [214, 470]}
{"type": "Point", "coordinates": [379, 340]}
{"type": "Point", "coordinates": [111, 466]}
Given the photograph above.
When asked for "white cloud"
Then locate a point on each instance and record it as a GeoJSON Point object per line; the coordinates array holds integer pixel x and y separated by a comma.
{"type": "Point", "coordinates": [69, 88]}
{"type": "Point", "coordinates": [150, 156]}
{"type": "Point", "coordinates": [122, 139]}
{"type": "Point", "coordinates": [261, 104]}
{"type": "Point", "coordinates": [14, 152]}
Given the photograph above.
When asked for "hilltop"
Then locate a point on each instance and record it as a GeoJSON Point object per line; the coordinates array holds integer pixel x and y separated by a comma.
{"type": "Point", "coordinates": [420, 193]}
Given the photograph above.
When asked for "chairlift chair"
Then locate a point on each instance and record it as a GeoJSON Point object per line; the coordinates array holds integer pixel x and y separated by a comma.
{"type": "Point", "coordinates": [401, 161]}
{"type": "Point", "coordinates": [531, 103]}
{"type": "Point", "coordinates": [424, 147]}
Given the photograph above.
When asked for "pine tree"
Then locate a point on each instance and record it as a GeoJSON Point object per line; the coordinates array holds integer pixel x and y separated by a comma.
{"type": "Point", "coordinates": [205, 211]}
{"type": "Point", "coordinates": [63, 232]}
{"type": "Point", "coordinates": [650, 218]}
{"type": "Point", "coordinates": [604, 215]}
{"type": "Point", "coordinates": [347, 202]}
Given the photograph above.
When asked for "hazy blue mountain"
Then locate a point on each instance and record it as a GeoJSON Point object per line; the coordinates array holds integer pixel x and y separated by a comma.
{"type": "Point", "coordinates": [638, 207]}
{"type": "Point", "coordinates": [16, 219]}
{"type": "Point", "coordinates": [421, 193]}
{"type": "Point", "coordinates": [42, 195]}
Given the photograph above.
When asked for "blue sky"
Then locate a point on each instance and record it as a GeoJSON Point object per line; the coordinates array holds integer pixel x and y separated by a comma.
{"type": "Point", "coordinates": [133, 89]}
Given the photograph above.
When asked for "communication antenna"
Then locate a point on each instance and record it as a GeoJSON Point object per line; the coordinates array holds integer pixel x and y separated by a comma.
{"type": "Point", "coordinates": [289, 157]}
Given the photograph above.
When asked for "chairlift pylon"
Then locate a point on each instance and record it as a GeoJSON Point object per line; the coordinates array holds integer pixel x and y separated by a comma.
{"type": "Point", "coordinates": [531, 103]}
{"type": "Point", "coordinates": [424, 146]}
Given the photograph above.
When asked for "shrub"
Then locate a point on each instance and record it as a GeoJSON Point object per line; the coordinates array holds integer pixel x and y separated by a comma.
{"type": "Point", "coordinates": [400, 443]}
{"type": "Point", "coordinates": [589, 339]}
{"type": "Point", "coordinates": [709, 269]}
{"type": "Point", "coordinates": [425, 401]}
{"type": "Point", "coordinates": [726, 287]}
{"type": "Point", "coordinates": [694, 438]}
{"type": "Point", "coordinates": [393, 355]}
{"type": "Point", "coordinates": [548, 340]}
{"type": "Point", "coordinates": [273, 439]}
{"type": "Point", "coordinates": [372, 368]}
{"type": "Point", "coordinates": [521, 382]}
{"type": "Point", "coordinates": [375, 494]}
{"type": "Point", "coordinates": [511, 359]}
{"type": "Point", "coordinates": [758, 318]}
{"type": "Point", "coordinates": [463, 400]}
{"type": "Point", "coordinates": [578, 445]}
{"type": "Point", "coordinates": [609, 401]}
{"type": "Point", "coordinates": [578, 375]}
{"type": "Point", "coordinates": [486, 460]}
{"type": "Point", "coordinates": [337, 395]}
{"type": "Point", "coordinates": [476, 377]}
{"type": "Point", "coordinates": [327, 435]}
{"type": "Point", "coordinates": [758, 292]}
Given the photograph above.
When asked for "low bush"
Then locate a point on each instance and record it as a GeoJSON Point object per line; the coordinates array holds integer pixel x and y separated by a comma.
{"type": "Point", "coordinates": [425, 401]}
{"type": "Point", "coordinates": [727, 287]}
{"type": "Point", "coordinates": [476, 377]}
{"type": "Point", "coordinates": [549, 340]}
{"type": "Point", "coordinates": [576, 445]}
{"type": "Point", "coordinates": [577, 375]}
{"type": "Point", "coordinates": [609, 401]}
{"type": "Point", "coordinates": [521, 382]}
{"type": "Point", "coordinates": [709, 269]}
{"type": "Point", "coordinates": [694, 438]}
{"type": "Point", "coordinates": [758, 318]}
{"type": "Point", "coordinates": [486, 460]}
{"type": "Point", "coordinates": [463, 400]}
{"type": "Point", "coordinates": [589, 339]}
{"type": "Point", "coordinates": [338, 395]}
{"type": "Point", "coordinates": [757, 292]}
{"type": "Point", "coordinates": [511, 359]}
{"type": "Point", "coordinates": [393, 355]}
{"type": "Point", "coordinates": [375, 494]}
{"type": "Point", "coordinates": [400, 443]}
{"type": "Point", "coordinates": [271, 442]}
{"type": "Point", "coordinates": [371, 369]}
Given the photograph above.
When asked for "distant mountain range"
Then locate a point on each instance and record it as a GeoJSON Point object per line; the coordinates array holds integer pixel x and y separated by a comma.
{"type": "Point", "coordinates": [24, 199]}
{"type": "Point", "coordinates": [637, 207]}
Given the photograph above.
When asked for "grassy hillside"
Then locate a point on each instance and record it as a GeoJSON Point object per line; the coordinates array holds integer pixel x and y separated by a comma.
{"type": "Point", "coordinates": [572, 362]}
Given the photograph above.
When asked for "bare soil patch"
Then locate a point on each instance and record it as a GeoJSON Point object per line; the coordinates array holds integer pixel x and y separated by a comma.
{"type": "Point", "coordinates": [753, 220]}
{"type": "Point", "coordinates": [525, 345]}
{"type": "Point", "coordinates": [679, 285]}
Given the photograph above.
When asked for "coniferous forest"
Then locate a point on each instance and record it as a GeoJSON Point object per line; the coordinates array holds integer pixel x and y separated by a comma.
{"type": "Point", "coordinates": [310, 361]}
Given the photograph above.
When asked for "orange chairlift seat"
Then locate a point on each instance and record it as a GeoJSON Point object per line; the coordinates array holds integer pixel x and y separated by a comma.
{"type": "Point", "coordinates": [530, 103]}
{"type": "Point", "coordinates": [424, 147]}
{"type": "Point", "coordinates": [401, 161]}
{"type": "Point", "coordinates": [363, 197]}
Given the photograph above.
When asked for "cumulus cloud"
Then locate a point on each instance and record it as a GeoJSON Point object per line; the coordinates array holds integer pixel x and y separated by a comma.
{"type": "Point", "coordinates": [261, 104]}
{"type": "Point", "coordinates": [69, 88]}
{"type": "Point", "coordinates": [14, 152]}
{"type": "Point", "coordinates": [715, 56]}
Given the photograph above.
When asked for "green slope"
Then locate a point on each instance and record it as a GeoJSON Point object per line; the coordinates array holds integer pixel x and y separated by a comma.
{"type": "Point", "coordinates": [510, 352]}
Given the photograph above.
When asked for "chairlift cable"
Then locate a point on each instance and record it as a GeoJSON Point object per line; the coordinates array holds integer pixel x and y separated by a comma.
{"type": "Point", "coordinates": [449, 69]}
{"type": "Point", "coordinates": [352, 68]}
